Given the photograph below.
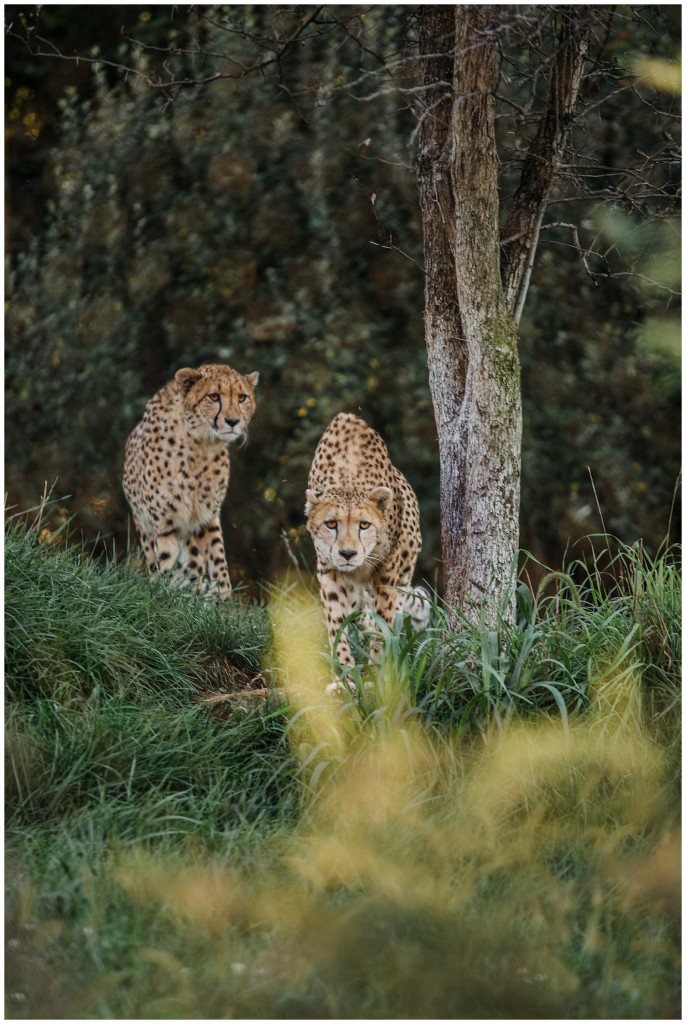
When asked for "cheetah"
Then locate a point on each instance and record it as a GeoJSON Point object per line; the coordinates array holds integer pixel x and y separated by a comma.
{"type": "Point", "coordinates": [176, 472]}
{"type": "Point", "coordinates": [363, 517]}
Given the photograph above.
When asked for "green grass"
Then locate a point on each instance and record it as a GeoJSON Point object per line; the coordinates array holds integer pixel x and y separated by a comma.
{"type": "Point", "coordinates": [609, 615]}
{"type": "Point", "coordinates": [490, 830]}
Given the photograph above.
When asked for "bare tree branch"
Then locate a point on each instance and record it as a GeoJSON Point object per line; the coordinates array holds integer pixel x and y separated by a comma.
{"type": "Point", "coordinates": [35, 42]}
{"type": "Point", "coordinates": [384, 232]}
{"type": "Point", "coordinates": [540, 166]}
{"type": "Point", "coordinates": [545, 177]}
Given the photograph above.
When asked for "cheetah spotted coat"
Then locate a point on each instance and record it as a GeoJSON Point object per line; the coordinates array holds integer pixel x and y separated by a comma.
{"type": "Point", "coordinates": [364, 520]}
{"type": "Point", "coordinates": [176, 472]}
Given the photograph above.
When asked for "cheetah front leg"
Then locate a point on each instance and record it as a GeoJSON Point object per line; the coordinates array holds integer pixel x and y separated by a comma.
{"type": "Point", "coordinates": [169, 556]}
{"type": "Point", "coordinates": [340, 598]}
{"type": "Point", "coordinates": [206, 549]}
{"type": "Point", "coordinates": [147, 542]}
{"type": "Point", "coordinates": [390, 585]}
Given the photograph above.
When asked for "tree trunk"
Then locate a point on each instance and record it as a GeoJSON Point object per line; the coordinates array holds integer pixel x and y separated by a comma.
{"type": "Point", "coordinates": [476, 285]}
{"type": "Point", "coordinates": [471, 336]}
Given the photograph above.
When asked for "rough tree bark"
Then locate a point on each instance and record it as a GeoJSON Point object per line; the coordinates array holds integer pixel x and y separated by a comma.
{"type": "Point", "coordinates": [476, 285]}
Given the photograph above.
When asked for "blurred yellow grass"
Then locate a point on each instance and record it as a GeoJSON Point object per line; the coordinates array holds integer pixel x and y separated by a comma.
{"type": "Point", "coordinates": [433, 826]}
{"type": "Point", "coordinates": [209, 896]}
{"type": "Point", "coordinates": [303, 674]}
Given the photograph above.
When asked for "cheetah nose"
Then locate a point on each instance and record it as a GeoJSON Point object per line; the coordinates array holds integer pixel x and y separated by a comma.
{"type": "Point", "coordinates": [231, 423]}
{"type": "Point", "coordinates": [347, 554]}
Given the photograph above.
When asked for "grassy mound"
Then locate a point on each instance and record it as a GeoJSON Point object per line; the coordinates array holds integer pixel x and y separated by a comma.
{"type": "Point", "coordinates": [489, 831]}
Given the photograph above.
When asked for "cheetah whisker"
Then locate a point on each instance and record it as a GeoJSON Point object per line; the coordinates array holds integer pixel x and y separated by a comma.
{"type": "Point", "coordinates": [372, 561]}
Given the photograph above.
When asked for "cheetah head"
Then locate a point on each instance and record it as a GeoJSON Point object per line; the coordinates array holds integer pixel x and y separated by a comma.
{"type": "Point", "coordinates": [349, 530]}
{"type": "Point", "coordinates": [218, 402]}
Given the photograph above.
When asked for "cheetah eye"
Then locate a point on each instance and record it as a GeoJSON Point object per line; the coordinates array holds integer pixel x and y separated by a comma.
{"type": "Point", "coordinates": [330, 524]}
{"type": "Point", "coordinates": [213, 396]}
{"type": "Point", "coordinates": [242, 398]}
{"type": "Point", "coordinates": [364, 525]}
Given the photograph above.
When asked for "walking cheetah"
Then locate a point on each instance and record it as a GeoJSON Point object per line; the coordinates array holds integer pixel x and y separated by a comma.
{"type": "Point", "coordinates": [364, 520]}
{"type": "Point", "coordinates": [176, 471]}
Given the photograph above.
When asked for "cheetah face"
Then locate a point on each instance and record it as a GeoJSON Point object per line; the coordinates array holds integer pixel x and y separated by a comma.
{"type": "Point", "coordinates": [218, 402]}
{"type": "Point", "coordinates": [346, 531]}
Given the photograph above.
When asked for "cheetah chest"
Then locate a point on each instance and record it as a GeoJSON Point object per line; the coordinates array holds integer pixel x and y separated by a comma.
{"type": "Point", "coordinates": [179, 486]}
{"type": "Point", "coordinates": [198, 481]}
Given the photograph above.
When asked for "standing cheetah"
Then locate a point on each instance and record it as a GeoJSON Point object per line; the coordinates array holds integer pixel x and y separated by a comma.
{"type": "Point", "coordinates": [176, 471]}
{"type": "Point", "coordinates": [364, 520]}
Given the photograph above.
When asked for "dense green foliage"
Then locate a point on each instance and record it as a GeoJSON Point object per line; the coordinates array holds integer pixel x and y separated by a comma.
{"type": "Point", "coordinates": [236, 224]}
{"type": "Point", "coordinates": [167, 856]}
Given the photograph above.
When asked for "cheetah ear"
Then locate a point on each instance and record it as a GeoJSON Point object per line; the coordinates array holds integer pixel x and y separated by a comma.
{"type": "Point", "coordinates": [252, 378]}
{"type": "Point", "coordinates": [381, 496]}
{"type": "Point", "coordinates": [313, 498]}
{"type": "Point", "coordinates": [186, 378]}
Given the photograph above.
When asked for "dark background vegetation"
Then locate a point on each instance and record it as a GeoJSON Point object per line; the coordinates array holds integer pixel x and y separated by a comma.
{"type": "Point", "coordinates": [235, 225]}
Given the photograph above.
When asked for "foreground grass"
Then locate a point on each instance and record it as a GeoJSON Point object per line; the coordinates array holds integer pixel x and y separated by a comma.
{"type": "Point", "coordinates": [491, 831]}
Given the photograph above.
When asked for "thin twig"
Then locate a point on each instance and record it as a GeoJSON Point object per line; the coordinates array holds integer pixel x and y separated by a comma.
{"type": "Point", "coordinates": [384, 232]}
